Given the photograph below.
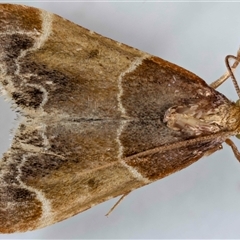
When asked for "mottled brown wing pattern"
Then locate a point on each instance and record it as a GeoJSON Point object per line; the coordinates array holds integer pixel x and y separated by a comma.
{"type": "Point", "coordinates": [89, 107]}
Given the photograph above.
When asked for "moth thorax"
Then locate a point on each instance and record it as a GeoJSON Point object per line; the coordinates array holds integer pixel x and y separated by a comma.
{"type": "Point", "coordinates": [196, 120]}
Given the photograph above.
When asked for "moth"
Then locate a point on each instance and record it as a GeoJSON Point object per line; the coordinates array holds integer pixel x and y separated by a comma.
{"type": "Point", "coordinates": [98, 119]}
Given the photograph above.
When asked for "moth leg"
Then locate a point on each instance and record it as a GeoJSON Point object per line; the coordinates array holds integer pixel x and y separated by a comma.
{"type": "Point", "coordinates": [229, 73]}
{"type": "Point", "coordinates": [115, 205]}
{"type": "Point", "coordinates": [234, 148]}
{"type": "Point", "coordinates": [220, 81]}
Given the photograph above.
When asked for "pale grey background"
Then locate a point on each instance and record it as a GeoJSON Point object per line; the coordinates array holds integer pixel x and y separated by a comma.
{"type": "Point", "coordinates": [202, 201]}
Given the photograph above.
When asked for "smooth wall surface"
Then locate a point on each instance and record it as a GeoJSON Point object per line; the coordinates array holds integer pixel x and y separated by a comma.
{"type": "Point", "coordinates": [202, 201]}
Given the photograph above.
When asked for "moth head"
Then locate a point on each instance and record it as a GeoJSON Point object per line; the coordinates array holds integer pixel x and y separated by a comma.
{"type": "Point", "coordinates": [238, 104]}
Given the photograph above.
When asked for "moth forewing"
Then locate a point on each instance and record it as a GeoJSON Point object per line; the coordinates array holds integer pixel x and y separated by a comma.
{"type": "Point", "coordinates": [99, 118]}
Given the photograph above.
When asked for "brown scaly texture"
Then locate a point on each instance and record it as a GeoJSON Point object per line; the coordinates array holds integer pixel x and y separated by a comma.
{"type": "Point", "coordinates": [89, 105]}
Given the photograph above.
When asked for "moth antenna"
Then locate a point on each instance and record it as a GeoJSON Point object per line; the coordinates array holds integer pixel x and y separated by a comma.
{"type": "Point", "coordinates": [237, 59]}
{"type": "Point", "coordinates": [225, 76]}
{"type": "Point", "coordinates": [117, 203]}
